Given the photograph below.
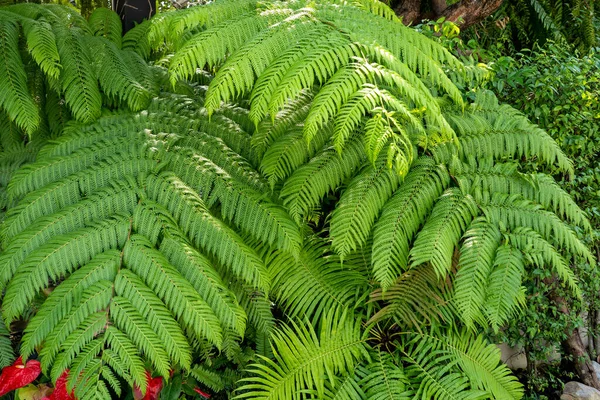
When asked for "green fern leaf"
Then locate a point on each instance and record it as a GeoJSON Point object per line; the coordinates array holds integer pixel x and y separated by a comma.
{"type": "Point", "coordinates": [504, 291]}
{"type": "Point", "coordinates": [436, 242]}
{"type": "Point", "coordinates": [402, 216]}
{"type": "Point", "coordinates": [305, 358]}
{"type": "Point", "coordinates": [107, 24]}
{"type": "Point", "coordinates": [475, 264]}
{"type": "Point", "coordinates": [16, 100]}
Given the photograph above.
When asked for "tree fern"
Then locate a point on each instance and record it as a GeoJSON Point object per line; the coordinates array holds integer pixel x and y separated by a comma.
{"type": "Point", "coordinates": [181, 233]}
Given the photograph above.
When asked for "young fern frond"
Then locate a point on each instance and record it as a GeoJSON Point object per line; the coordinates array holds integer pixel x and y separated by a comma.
{"type": "Point", "coordinates": [457, 366]}
{"type": "Point", "coordinates": [305, 357]}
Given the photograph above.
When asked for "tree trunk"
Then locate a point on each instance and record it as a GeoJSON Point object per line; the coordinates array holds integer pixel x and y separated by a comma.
{"type": "Point", "coordinates": [470, 12]}
{"type": "Point", "coordinates": [465, 13]}
{"type": "Point", "coordinates": [133, 12]}
{"type": "Point", "coordinates": [409, 11]}
{"type": "Point", "coordinates": [573, 345]}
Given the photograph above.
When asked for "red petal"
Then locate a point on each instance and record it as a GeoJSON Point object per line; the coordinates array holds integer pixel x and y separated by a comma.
{"type": "Point", "coordinates": [18, 375]}
{"type": "Point", "coordinates": [152, 390]}
{"type": "Point", "coordinates": [201, 393]}
{"type": "Point", "coordinates": [60, 389]}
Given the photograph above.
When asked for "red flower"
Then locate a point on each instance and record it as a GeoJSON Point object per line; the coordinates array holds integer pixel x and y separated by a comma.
{"type": "Point", "coordinates": [60, 389]}
{"type": "Point", "coordinates": [201, 393]}
{"type": "Point", "coordinates": [18, 375]}
{"type": "Point", "coordinates": [152, 390]}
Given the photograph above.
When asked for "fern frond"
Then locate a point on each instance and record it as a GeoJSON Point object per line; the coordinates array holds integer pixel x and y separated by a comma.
{"type": "Point", "coordinates": [58, 257]}
{"type": "Point", "coordinates": [293, 111]}
{"type": "Point", "coordinates": [504, 291]}
{"type": "Point", "coordinates": [513, 212]}
{"type": "Point", "coordinates": [359, 206]}
{"type": "Point", "coordinates": [207, 47]}
{"type": "Point", "coordinates": [124, 353]}
{"type": "Point", "coordinates": [173, 25]}
{"type": "Point", "coordinates": [199, 271]}
{"type": "Point", "coordinates": [107, 24]}
{"type": "Point", "coordinates": [538, 251]}
{"type": "Point", "coordinates": [6, 350]}
{"type": "Point", "coordinates": [132, 322]}
{"type": "Point", "coordinates": [305, 358]}
{"type": "Point", "coordinates": [77, 78]}
{"type": "Point", "coordinates": [116, 79]}
{"type": "Point", "coordinates": [315, 282]}
{"type": "Point", "coordinates": [458, 367]}
{"type": "Point", "coordinates": [438, 238]}
{"type": "Point", "coordinates": [502, 132]}
{"type": "Point", "coordinates": [289, 152]}
{"type": "Point", "coordinates": [65, 296]}
{"type": "Point", "coordinates": [402, 216]}
{"type": "Point", "coordinates": [238, 73]}
{"type": "Point", "coordinates": [303, 191]}
{"type": "Point", "coordinates": [384, 379]}
{"type": "Point", "coordinates": [416, 299]}
{"type": "Point", "coordinates": [136, 39]}
{"type": "Point", "coordinates": [481, 180]}
{"type": "Point", "coordinates": [179, 296]}
{"type": "Point", "coordinates": [16, 100]}
{"type": "Point", "coordinates": [41, 43]}
{"type": "Point", "coordinates": [146, 303]}
{"type": "Point", "coordinates": [207, 231]}
{"type": "Point", "coordinates": [475, 264]}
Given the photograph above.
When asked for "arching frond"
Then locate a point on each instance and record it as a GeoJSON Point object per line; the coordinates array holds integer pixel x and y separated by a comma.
{"type": "Point", "coordinates": [504, 290]}
{"type": "Point", "coordinates": [303, 191]}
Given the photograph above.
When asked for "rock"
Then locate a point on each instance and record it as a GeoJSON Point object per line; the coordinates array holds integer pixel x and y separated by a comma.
{"type": "Point", "coordinates": [579, 391]}
{"type": "Point", "coordinates": [514, 358]}
{"type": "Point", "coordinates": [596, 369]}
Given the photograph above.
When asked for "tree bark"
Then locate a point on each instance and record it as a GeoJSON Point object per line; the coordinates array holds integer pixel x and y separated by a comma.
{"type": "Point", "coordinates": [470, 12]}
{"type": "Point", "coordinates": [409, 11]}
{"type": "Point", "coordinates": [465, 13]}
{"type": "Point", "coordinates": [574, 345]}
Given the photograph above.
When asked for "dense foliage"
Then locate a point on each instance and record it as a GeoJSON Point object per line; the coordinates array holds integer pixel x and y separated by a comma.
{"type": "Point", "coordinates": [558, 90]}
{"type": "Point", "coordinates": [312, 208]}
